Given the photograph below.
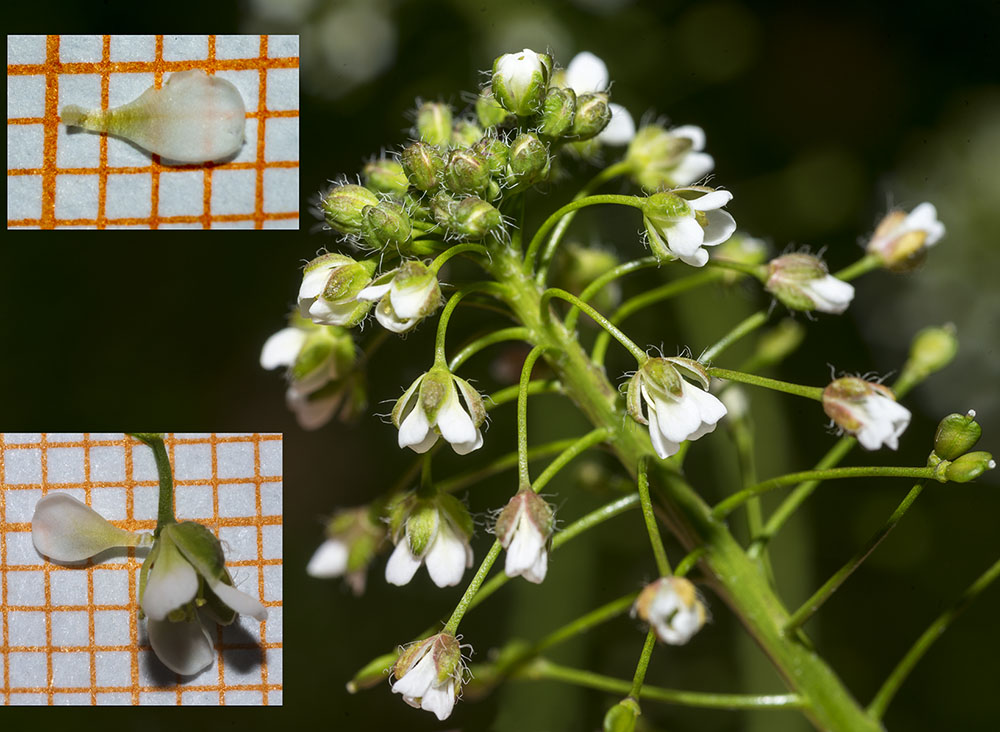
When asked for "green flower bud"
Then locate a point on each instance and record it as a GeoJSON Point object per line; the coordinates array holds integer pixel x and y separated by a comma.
{"type": "Point", "coordinates": [466, 172]}
{"type": "Point", "coordinates": [592, 115]}
{"type": "Point", "coordinates": [434, 123]}
{"type": "Point", "coordinates": [488, 110]}
{"type": "Point", "coordinates": [466, 133]}
{"type": "Point", "coordinates": [557, 113]}
{"type": "Point", "coordinates": [474, 218]}
{"type": "Point", "coordinates": [520, 81]}
{"type": "Point", "coordinates": [423, 165]}
{"type": "Point", "coordinates": [529, 160]}
{"type": "Point", "coordinates": [932, 349]}
{"type": "Point", "coordinates": [802, 282]}
{"type": "Point", "coordinates": [621, 717]}
{"type": "Point", "coordinates": [343, 207]}
{"type": "Point", "coordinates": [969, 467]}
{"type": "Point", "coordinates": [494, 151]}
{"type": "Point", "coordinates": [372, 674]}
{"type": "Point", "coordinates": [386, 175]}
{"type": "Point", "coordinates": [385, 224]}
{"type": "Point", "coordinates": [956, 435]}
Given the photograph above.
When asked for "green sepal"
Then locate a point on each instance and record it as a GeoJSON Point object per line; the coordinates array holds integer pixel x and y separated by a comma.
{"type": "Point", "coordinates": [457, 514]}
{"type": "Point", "coordinates": [200, 547]}
{"type": "Point", "coordinates": [422, 526]}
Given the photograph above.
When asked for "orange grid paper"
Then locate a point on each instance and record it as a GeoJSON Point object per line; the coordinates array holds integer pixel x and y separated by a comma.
{"type": "Point", "coordinates": [72, 634]}
{"type": "Point", "coordinates": [83, 180]}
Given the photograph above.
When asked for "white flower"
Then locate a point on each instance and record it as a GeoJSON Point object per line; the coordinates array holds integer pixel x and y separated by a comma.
{"type": "Point", "coordinates": [524, 528]}
{"type": "Point", "coordinates": [329, 560]}
{"type": "Point", "coordinates": [431, 532]}
{"type": "Point", "coordinates": [186, 565]}
{"type": "Point", "coordinates": [661, 158]}
{"type": "Point", "coordinates": [520, 80]}
{"type": "Point", "coordinates": [432, 407]}
{"type": "Point", "coordinates": [353, 536]}
{"type": "Point", "coordinates": [802, 282]}
{"type": "Point", "coordinates": [867, 410]}
{"type": "Point", "coordinates": [671, 605]}
{"type": "Point", "coordinates": [330, 287]}
{"type": "Point", "coordinates": [406, 296]}
{"type": "Point", "coordinates": [587, 73]}
{"type": "Point", "coordinates": [429, 674]}
{"type": "Point", "coordinates": [68, 530]}
{"type": "Point", "coordinates": [902, 239]}
{"type": "Point", "coordinates": [680, 223]}
{"type": "Point", "coordinates": [674, 409]}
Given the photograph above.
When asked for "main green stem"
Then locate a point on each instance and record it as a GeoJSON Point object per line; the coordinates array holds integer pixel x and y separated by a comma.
{"type": "Point", "coordinates": [732, 574]}
{"type": "Point", "coordinates": [165, 504]}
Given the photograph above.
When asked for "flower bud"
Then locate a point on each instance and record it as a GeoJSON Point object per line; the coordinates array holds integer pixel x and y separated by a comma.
{"type": "Point", "coordinates": [802, 282]}
{"type": "Point", "coordinates": [673, 609]}
{"type": "Point", "coordinates": [466, 172]}
{"type": "Point", "coordinates": [529, 160]}
{"type": "Point", "coordinates": [956, 435]}
{"type": "Point", "coordinates": [867, 410]}
{"type": "Point", "coordinates": [465, 133]}
{"type": "Point", "coordinates": [622, 716]}
{"type": "Point", "coordinates": [520, 81]}
{"type": "Point", "coordinates": [494, 151]}
{"type": "Point", "coordinates": [592, 115]}
{"type": "Point", "coordinates": [474, 218]}
{"type": "Point", "coordinates": [969, 467]}
{"type": "Point", "coordinates": [932, 349]}
{"type": "Point", "coordinates": [901, 240]}
{"type": "Point", "coordinates": [372, 673]}
{"type": "Point", "coordinates": [343, 207]}
{"type": "Point", "coordinates": [423, 165]}
{"type": "Point", "coordinates": [385, 224]}
{"type": "Point", "coordinates": [434, 123]}
{"type": "Point", "coordinates": [488, 110]}
{"type": "Point", "coordinates": [524, 528]}
{"type": "Point", "coordinates": [556, 117]}
{"type": "Point", "coordinates": [386, 175]}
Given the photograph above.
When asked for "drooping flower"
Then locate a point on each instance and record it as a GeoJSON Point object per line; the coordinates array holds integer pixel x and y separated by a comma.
{"type": "Point", "coordinates": [672, 606]}
{"type": "Point", "coordinates": [802, 282]}
{"type": "Point", "coordinates": [867, 410]}
{"type": "Point", "coordinates": [353, 537]}
{"type": "Point", "coordinates": [431, 531]}
{"type": "Point", "coordinates": [901, 239]}
{"type": "Point", "coordinates": [674, 409]}
{"type": "Point", "coordinates": [520, 80]}
{"type": "Point", "coordinates": [405, 296]}
{"type": "Point", "coordinates": [659, 158]}
{"type": "Point", "coordinates": [68, 530]}
{"type": "Point", "coordinates": [524, 528]}
{"type": "Point", "coordinates": [432, 407]}
{"type": "Point", "coordinates": [682, 222]}
{"type": "Point", "coordinates": [430, 673]}
{"type": "Point", "coordinates": [331, 284]}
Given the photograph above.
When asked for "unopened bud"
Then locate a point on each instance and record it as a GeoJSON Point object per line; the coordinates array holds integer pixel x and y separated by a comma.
{"type": "Point", "coordinates": [802, 282]}
{"type": "Point", "coordinates": [956, 435]}
{"type": "Point", "coordinates": [372, 673]}
{"type": "Point", "coordinates": [423, 165]}
{"type": "Point", "coordinates": [488, 110]}
{"type": "Point", "coordinates": [592, 115]}
{"type": "Point", "coordinates": [933, 349]}
{"type": "Point", "coordinates": [343, 207]}
{"type": "Point", "coordinates": [466, 172]}
{"type": "Point", "coordinates": [434, 123]}
{"type": "Point", "coordinates": [386, 176]}
{"type": "Point", "coordinates": [474, 218]}
{"type": "Point", "coordinates": [969, 467]}
{"type": "Point", "coordinates": [529, 160]}
{"type": "Point", "coordinates": [557, 112]}
{"type": "Point", "coordinates": [465, 133]}
{"type": "Point", "coordinates": [385, 224]}
{"type": "Point", "coordinates": [494, 151]}
{"type": "Point", "coordinates": [520, 81]}
{"type": "Point", "coordinates": [622, 716]}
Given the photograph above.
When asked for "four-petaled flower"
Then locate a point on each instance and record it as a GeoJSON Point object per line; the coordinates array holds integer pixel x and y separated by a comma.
{"type": "Point", "coordinates": [672, 607]}
{"type": "Point", "coordinates": [430, 673]}
{"type": "Point", "coordinates": [524, 528]}
{"type": "Point", "coordinates": [901, 239]}
{"type": "Point", "coordinates": [405, 296]}
{"type": "Point", "coordinates": [330, 287]}
{"type": "Point", "coordinates": [659, 158]}
{"type": "Point", "coordinates": [682, 222]}
{"type": "Point", "coordinates": [432, 407]}
{"type": "Point", "coordinates": [867, 410]}
{"type": "Point", "coordinates": [431, 531]}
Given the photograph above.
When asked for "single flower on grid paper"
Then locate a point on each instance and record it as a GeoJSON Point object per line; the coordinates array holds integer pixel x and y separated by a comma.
{"type": "Point", "coordinates": [321, 368]}
{"type": "Point", "coordinates": [431, 531]}
{"type": "Point", "coordinates": [587, 74]}
{"type": "Point", "coordinates": [330, 287]}
{"type": "Point", "coordinates": [674, 409]}
{"type": "Point", "coordinates": [183, 578]}
{"type": "Point", "coordinates": [682, 222]}
{"type": "Point", "coordinates": [659, 158]}
{"type": "Point", "coordinates": [867, 410]}
{"type": "Point", "coordinates": [353, 536]}
{"type": "Point", "coordinates": [432, 406]}
{"type": "Point", "coordinates": [405, 296]}
{"type": "Point", "coordinates": [901, 239]}
{"type": "Point", "coordinates": [430, 673]}
{"type": "Point", "coordinates": [68, 530]}
{"type": "Point", "coordinates": [673, 608]}
{"type": "Point", "coordinates": [802, 282]}
{"type": "Point", "coordinates": [524, 528]}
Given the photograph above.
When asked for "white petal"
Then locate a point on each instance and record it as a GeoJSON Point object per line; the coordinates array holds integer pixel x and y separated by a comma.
{"type": "Point", "coordinates": [329, 560]}
{"type": "Point", "coordinates": [402, 565]}
{"type": "Point", "coordinates": [524, 548]}
{"type": "Point", "coordinates": [282, 348]}
{"type": "Point", "coordinates": [447, 557]}
{"type": "Point", "coordinates": [312, 414]}
{"type": "Point", "coordinates": [455, 424]}
{"type": "Point", "coordinates": [693, 133]}
{"type": "Point", "coordinates": [185, 647]}
{"type": "Point", "coordinates": [326, 312]}
{"type": "Point", "coordinates": [710, 408]}
{"type": "Point", "coordinates": [314, 282]}
{"type": "Point", "coordinates": [374, 292]}
{"type": "Point", "coordinates": [694, 166]}
{"type": "Point", "coordinates": [719, 226]}
{"type": "Point", "coordinates": [440, 700]}
{"type": "Point", "coordinates": [710, 201]}
{"type": "Point", "coordinates": [388, 320]}
{"type": "Point", "coordinates": [241, 602]}
{"type": "Point", "coordinates": [621, 128]}
{"type": "Point", "coordinates": [664, 447]}
{"type": "Point", "coordinates": [924, 218]}
{"type": "Point", "coordinates": [464, 448]}
{"type": "Point", "coordinates": [698, 259]}
{"type": "Point", "coordinates": [415, 429]}
{"type": "Point", "coordinates": [685, 237]}
{"type": "Point", "coordinates": [172, 582]}
{"type": "Point", "coordinates": [419, 678]}
{"type": "Point", "coordinates": [586, 73]}
{"type": "Point", "coordinates": [409, 302]}
{"type": "Point", "coordinates": [536, 573]}
{"type": "Point", "coordinates": [677, 420]}
{"type": "Point", "coordinates": [68, 530]}
{"type": "Point", "coordinates": [830, 295]}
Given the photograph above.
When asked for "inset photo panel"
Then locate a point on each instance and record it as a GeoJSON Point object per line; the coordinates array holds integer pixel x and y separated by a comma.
{"type": "Point", "coordinates": [153, 132]}
{"type": "Point", "coordinates": [141, 568]}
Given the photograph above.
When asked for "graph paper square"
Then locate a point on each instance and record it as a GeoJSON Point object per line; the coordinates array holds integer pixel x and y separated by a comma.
{"type": "Point", "coordinates": [62, 179]}
{"type": "Point", "coordinates": [71, 632]}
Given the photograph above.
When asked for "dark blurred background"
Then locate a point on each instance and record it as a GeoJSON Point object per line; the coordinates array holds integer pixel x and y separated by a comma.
{"type": "Point", "coordinates": [820, 117]}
